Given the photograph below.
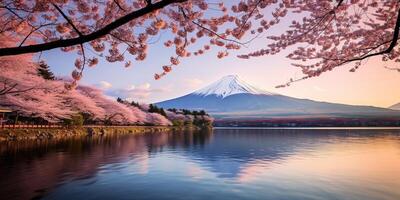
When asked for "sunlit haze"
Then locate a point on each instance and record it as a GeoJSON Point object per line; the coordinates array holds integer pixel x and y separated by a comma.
{"type": "Point", "coordinates": [372, 84]}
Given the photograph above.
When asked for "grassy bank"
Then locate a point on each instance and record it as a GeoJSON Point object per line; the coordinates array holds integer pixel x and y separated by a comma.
{"type": "Point", "coordinates": [58, 133]}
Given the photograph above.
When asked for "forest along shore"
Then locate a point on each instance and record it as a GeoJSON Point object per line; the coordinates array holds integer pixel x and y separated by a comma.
{"type": "Point", "coordinates": [65, 132]}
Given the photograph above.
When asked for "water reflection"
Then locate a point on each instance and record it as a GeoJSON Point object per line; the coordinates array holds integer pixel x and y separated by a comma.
{"type": "Point", "coordinates": [235, 164]}
{"type": "Point", "coordinates": [32, 168]}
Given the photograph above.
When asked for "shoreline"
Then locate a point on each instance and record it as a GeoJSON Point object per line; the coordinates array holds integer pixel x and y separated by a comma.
{"type": "Point", "coordinates": [311, 128]}
{"type": "Point", "coordinates": [65, 132]}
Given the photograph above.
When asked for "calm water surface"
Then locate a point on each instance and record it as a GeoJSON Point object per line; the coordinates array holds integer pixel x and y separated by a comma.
{"type": "Point", "coordinates": [219, 164]}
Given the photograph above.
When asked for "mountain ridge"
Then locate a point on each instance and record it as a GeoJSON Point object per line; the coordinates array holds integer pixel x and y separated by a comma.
{"type": "Point", "coordinates": [395, 106]}
{"type": "Point", "coordinates": [231, 97]}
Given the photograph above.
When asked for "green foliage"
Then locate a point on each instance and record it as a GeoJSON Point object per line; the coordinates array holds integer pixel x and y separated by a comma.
{"type": "Point", "coordinates": [155, 109]}
{"type": "Point", "coordinates": [76, 120]}
{"type": "Point", "coordinates": [162, 112]}
{"type": "Point", "coordinates": [45, 72]}
{"type": "Point", "coordinates": [194, 112]}
{"type": "Point", "coordinates": [173, 110]}
{"type": "Point", "coordinates": [119, 100]}
{"type": "Point", "coordinates": [88, 118]}
{"type": "Point", "coordinates": [202, 112]}
{"type": "Point", "coordinates": [136, 104]}
{"type": "Point", "coordinates": [188, 123]}
{"type": "Point", "coordinates": [178, 123]}
{"type": "Point", "coordinates": [186, 112]}
{"type": "Point", "coordinates": [148, 124]}
{"type": "Point", "coordinates": [200, 118]}
{"type": "Point", "coordinates": [202, 122]}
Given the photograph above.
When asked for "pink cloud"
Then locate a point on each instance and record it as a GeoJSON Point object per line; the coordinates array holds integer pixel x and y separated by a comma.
{"type": "Point", "coordinates": [135, 92]}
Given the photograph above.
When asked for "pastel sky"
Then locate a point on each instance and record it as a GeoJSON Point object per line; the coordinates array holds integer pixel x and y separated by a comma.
{"type": "Point", "coordinates": [372, 84]}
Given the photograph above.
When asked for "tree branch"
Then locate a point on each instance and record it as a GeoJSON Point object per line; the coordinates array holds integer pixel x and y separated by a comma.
{"type": "Point", "coordinates": [14, 13]}
{"type": "Point", "coordinates": [119, 6]}
{"type": "Point", "coordinates": [393, 43]}
{"type": "Point", "coordinates": [89, 37]}
{"type": "Point", "coordinates": [394, 69]}
{"type": "Point", "coordinates": [17, 91]}
{"type": "Point", "coordinates": [6, 89]}
{"type": "Point", "coordinates": [9, 89]}
{"type": "Point", "coordinates": [68, 19]}
{"type": "Point", "coordinates": [249, 15]}
{"type": "Point", "coordinates": [84, 59]}
{"type": "Point", "coordinates": [32, 31]}
{"type": "Point", "coordinates": [208, 30]}
{"type": "Point", "coordinates": [339, 3]}
{"type": "Point", "coordinates": [122, 40]}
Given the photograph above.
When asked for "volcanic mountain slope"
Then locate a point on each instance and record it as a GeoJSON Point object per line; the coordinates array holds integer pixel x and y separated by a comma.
{"type": "Point", "coordinates": [231, 97]}
{"type": "Point", "coordinates": [395, 107]}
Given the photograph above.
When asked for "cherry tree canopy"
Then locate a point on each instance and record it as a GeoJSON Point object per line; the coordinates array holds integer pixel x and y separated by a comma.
{"type": "Point", "coordinates": [23, 90]}
{"type": "Point", "coordinates": [323, 34]}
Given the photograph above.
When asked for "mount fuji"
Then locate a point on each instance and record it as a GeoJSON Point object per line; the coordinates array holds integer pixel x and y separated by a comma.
{"type": "Point", "coordinates": [233, 98]}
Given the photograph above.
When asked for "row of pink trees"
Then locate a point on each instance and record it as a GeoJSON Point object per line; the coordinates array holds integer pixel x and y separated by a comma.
{"type": "Point", "coordinates": [24, 91]}
{"type": "Point", "coordinates": [32, 96]}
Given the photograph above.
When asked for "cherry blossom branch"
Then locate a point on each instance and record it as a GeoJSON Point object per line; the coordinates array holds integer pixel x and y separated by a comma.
{"type": "Point", "coordinates": [67, 19]}
{"type": "Point", "coordinates": [14, 13]}
{"type": "Point", "coordinates": [119, 6]}
{"type": "Point", "coordinates": [216, 34]}
{"type": "Point", "coordinates": [393, 68]}
{"type": "Point", "coordinates": [393, 43]}
{"type": "Point", "coordinates": [121, 40]}
{"type": "Point", "coordinates": [249, 15]}
{"type": "Point", "coordinates": [84, 59]}
{"type": "Point", "coordinates": [208, 30]}
{"type": "Point", "coordinates": [89, 37]}
{"type": "Point", "coordinates": [9, 89]}
{"type": "Point", "coordinates": [370, 49]}
{"type": "Point", "coordinates": [34, 29]}
{"type": "Point", "coordinates": [382, 48]}
{"type": "Point", "coordinates": [339, 3]}
{"type": "Point", "coordinates": [322, 19]}
{"type": "Point", "coordinates": [17, 91]}
{"type": "Point", "coordinates": [11, 10]}
{"type": "Point", "coordinates": [6, 89]}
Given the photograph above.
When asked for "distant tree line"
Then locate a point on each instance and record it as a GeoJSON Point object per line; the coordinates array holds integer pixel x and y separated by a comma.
{"type": "Point", "coordinates": [178, 117]}
{"type": "Point", "coordinates": [155, 109]}
{"type": "Point", "coordinates": [79, 113]}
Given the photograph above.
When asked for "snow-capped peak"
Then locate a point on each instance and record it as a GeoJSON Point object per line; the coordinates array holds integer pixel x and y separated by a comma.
{"type": "Point", "coordinates": [229, 85]}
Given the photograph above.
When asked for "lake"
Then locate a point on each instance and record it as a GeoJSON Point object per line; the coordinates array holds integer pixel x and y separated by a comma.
{"type": "Point", "coordinates": [219, 164]}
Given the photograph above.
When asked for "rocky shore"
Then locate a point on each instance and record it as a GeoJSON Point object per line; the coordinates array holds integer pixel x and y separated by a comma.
{"type": "Point", "coordinates": [59, 133]}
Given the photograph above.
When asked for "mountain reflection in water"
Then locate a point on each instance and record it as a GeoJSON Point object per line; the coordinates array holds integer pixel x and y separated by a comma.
{"type": "Point", "coordinates": [233, 164]}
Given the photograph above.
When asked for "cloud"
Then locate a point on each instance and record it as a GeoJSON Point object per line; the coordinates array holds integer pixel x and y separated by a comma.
{"type": "Point", "coordinates": [194, 83]}
{"type": "Point", "coordinates": [134, 92]}
{"type": "Point", "coordinates": [105, 85]}
{"type": "Point", "coordinates": [318, 89]}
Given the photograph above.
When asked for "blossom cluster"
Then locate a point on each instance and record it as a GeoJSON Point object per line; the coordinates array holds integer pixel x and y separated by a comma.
{"type": "Point", "coordinates": [321, 34]}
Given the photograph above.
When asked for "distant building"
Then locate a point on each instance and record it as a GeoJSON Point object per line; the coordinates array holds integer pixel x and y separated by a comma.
{"type": "Point", "coordinates": [3, 112]}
